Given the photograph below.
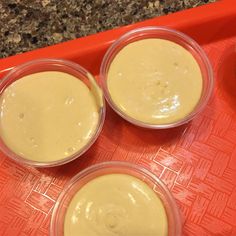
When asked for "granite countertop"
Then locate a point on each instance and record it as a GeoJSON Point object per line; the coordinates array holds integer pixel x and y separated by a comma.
{"type": "Point", "coordinates": [26, 25]}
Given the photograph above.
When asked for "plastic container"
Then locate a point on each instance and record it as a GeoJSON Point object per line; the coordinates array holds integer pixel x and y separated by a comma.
{"type": "Point", "coordinates": [58, 214]}
{"type": "Point", "coordinates": [167, 34]}
{"type": "Point", "coordinates": [41, 65]}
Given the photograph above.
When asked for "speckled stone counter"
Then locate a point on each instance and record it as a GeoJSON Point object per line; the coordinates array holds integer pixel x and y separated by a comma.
{"type": "Point", "coordinates": [26, 25]}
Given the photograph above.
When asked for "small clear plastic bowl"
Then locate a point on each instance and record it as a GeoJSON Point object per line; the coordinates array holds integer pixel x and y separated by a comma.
{"type": "Point", "coordinates": [167, 34]}
{"type": "Point", "coordinates": [41, 65]}
{"type": "Point", "coordinates": [115, 167]}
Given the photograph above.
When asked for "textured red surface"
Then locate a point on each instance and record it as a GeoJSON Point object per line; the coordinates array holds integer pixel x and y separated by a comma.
{"type": "Point", "coordinates": [196, 161]}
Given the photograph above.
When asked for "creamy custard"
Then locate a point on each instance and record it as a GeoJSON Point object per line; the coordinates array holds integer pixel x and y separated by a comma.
{"type": "Point", "coordinates": [48, 116]}
{"type": "Point", "coordinates": [155, 81]}
{"type": "Point", "coordinates": [115, 205]}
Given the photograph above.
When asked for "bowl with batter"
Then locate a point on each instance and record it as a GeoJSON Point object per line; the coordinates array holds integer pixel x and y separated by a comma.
{"type": "Point", "coordinates": [156, 77]}
{"type": "Point", "coordinates": [52, 111]}
{"type": "Point", "coordinates": [115, 199]}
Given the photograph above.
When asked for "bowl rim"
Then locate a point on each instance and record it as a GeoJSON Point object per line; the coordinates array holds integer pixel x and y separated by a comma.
{"type": "Point", "coordinates": [49, 61]}
{"type": "Point", "coordinates": [165, 192]}
{"type": "Point", "coordinates": [166, 31]}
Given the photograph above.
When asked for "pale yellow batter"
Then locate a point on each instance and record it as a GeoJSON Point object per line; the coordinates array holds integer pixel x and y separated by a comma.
{"type": "Point", "coordinates": [48, 116]}
{"type": "Point", "coordinates": [116, 205]}
{"type": "Point", "coordinates": [155, 81]}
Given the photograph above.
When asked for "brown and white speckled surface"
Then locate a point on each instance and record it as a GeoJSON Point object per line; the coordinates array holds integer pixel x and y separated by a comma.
{"type": "Point", "coordinates": [26, 24]}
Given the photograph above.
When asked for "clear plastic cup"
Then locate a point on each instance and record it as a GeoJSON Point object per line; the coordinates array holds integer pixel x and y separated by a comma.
{"type": "Point", "coordinates": [115, 167]}
{"type": "Point", "coordinates": [42, 65]}
{"type": "Point", "coordinates": [167, 34]}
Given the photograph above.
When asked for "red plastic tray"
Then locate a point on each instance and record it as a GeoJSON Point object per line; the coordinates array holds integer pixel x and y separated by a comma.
{"type": "Point", "coordinates": [196, 161]}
